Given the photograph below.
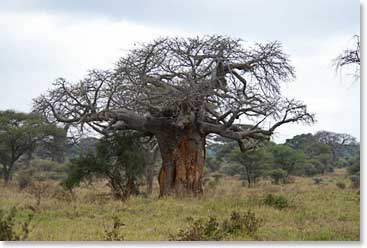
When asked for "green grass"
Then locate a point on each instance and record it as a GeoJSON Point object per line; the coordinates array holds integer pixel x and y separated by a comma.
{"type": "Point", "coordinates": [317, 212]}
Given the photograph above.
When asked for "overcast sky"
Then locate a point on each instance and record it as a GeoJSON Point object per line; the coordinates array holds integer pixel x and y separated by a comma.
{"type": "Point", "coordinates": [43, 40]}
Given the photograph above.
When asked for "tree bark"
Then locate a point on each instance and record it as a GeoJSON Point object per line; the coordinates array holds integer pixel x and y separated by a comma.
{"type": "Point", "coordinates": [183, 159]}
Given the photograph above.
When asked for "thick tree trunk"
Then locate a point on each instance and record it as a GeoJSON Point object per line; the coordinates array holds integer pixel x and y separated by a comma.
{"type": "Point", "coordinates": [183, 159]}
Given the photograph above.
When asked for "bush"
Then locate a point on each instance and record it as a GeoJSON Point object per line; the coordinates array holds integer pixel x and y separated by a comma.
{"type": "Point", "coordinates": [341, 163]}
{"type": "Point", "coordinates": [340, 185]}
{"type": "Point", "coordinates": [279, 202]}
{"type": "Point", "coordinates": [247, 223]}
{"type": "Point", "coordinates": [114, 233]}
{"type": "Point", "coordinates": [213, 230]}
{"type": "Point", "coordinates": [200, 231]}
{"type": "Point", "coordinates": [355, 181]}
{"type": "Point", "coordinates": [290, 179]}
{"type": "Point", "coordinates": [317, 180]}
{"type": "Point", "coordinates": [38, 190]}
{"type": "Point", "coordinates": [217, 177]}
{"type": "Point", "coordinates": [24, 180]}
{"type": "Point", "coordinates": [7, 226]}
{"type": "Point", "coordinates": [278, 175]}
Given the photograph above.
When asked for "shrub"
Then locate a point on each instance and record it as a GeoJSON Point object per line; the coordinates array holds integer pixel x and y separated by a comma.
{"type": "Point", "coordinates": [340, 185]}
{"type": "Point", "coordinates": [247, 223]}
{"type": "Point", "coordinates": [24, 180]}
{"type": "Point", "coordinates": [212, 229]}
{"type": "Point", "coordinates": [7, 226]}
{"type": "Point", "coordinates": [278, 175]}
{"type": "Point", "coordinates": [355, 181]}
{"type": "Point", "coordinates": [114, 233]}
{"type": "Point", "coordinates": [290, 179]}
{"type": "Point", "coordinates": [38, 190]}
{"type": "Point", "coordinates": [317, 180]}
{"type": "Point", "coordinates": [341, 163]}
{"type": "Point", "coordinates": [217, 177]}
{"type": "Point", "coordinates": [200, 231]}
{"type": "Point", "coordinates": [118, 159]}
{"type": "Point", "coordinates": [279, 202]}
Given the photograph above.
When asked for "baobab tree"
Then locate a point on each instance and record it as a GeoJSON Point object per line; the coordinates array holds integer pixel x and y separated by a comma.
{"type": "Point", "coordinates": [179, 90]}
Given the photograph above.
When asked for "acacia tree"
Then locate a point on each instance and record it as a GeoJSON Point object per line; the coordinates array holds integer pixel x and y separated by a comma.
{"type": "Point", "coordinates": [179, 91]}
{"type": "Point", "coordinates": [20, 133]}
{"type": "Point", "coordinates": [253, 163]}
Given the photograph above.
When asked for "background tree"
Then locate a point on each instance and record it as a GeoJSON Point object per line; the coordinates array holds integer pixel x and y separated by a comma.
{"type": "Point", "coordinates": [181, 90]}
{"type": "Point", "coordinates": [287, 159]}
{"type": "Point", "coordinates": [20, 133]}
{"type": "Point", "coordinates": [354, 171]}
{"type": "Point", "coordinates": [253, 163]}
{"type": "Point", "coordinates": [336, 142]}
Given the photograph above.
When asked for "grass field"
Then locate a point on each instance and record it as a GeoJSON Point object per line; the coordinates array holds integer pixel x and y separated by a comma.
{"type": "Point", "coordinates": [317, 211]}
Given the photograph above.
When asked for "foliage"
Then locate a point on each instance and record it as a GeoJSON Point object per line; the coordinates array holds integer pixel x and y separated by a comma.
{"type": "Point", "coordinates": [340, 185]}
{"type": "Point", "coordinates": [314, 167]}
{"type": "Point", "coordinates": [21, 133]}
{"type": "Point", "coordinates": [354, 171]}
{"type": "Point", "coordinates": [200, 230]}
{"type": "Point", "coordinates": [336, 142]}
{"type": "Point", "coordinates": [247, 222]}
{"type": "Point", "coordinates": [276, 201]}
{"type": "Point", "coordinates": [118, 159]}
{"type": "Point", "coordinates": [253, 163]}
{"type": "Point", "coordinates": [114, 233]}
{"type": "Point", "coordinates": [355, 165]}
{"type": "Point", "coordinates": [317, 180]}
{"type": "Point", "coordinates": [287, 159]}
{"type": "Point", "coordinates": [355, 180]}
{"type": "Point", "coordinates": [7, 226]}
{"type": "Point", "coordinates": [278, 175]}
{"type": "Point", "coordinates": [38, 189]}
{"type": "Point", "coordinates": [24, 181]}
{"type": "Point", "coordinates": [212, 229]}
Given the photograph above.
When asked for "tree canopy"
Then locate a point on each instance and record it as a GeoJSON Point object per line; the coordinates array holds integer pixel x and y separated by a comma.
{"type": "Point", "coordinates": [179, 90]}
{"type": "Point", "coordinates": [21, 133]}
{"type": "Point", "coordinates": [213, 80]}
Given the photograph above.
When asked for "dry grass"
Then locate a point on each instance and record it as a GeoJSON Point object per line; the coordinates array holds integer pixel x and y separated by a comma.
{"type": "Point", "coordinates": [318, 212]}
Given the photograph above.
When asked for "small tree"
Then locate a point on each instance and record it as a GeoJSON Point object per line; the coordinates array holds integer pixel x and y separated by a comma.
{"type": "Point", "coordinates": [21, 133]}
{"type": "Point", "coordinates": [278, 175]}
{"type": "Point", "coordinates": [287, 159]}
{"type": "Point", "coordinates": [254, 163]}
{"type": "Point", "coordinates": [117, 158]}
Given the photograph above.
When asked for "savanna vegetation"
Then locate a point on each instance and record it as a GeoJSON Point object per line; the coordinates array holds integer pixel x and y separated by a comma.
{"type": "Point", "coordinates": [154, 150]}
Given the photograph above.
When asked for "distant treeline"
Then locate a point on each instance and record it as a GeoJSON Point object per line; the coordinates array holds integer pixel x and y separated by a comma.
{"type": "Point", "coordinates": [302, 155]}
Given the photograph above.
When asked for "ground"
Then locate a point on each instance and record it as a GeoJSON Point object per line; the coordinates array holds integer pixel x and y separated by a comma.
{"type": "Point", "coordinates": [317, 212]}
